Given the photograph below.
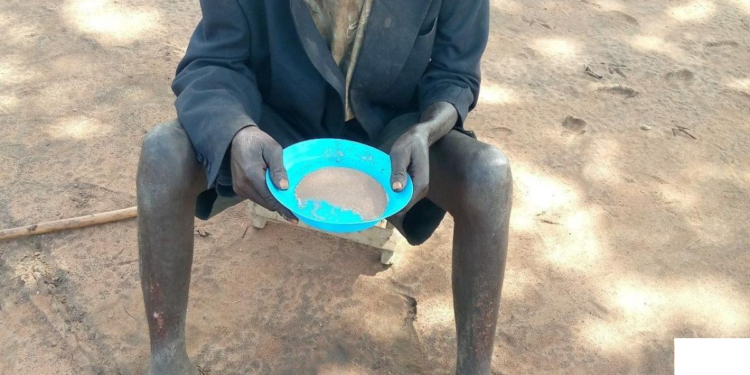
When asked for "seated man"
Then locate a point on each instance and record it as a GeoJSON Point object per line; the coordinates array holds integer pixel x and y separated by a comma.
{"type": "Point", "coordinates": [261, 75]}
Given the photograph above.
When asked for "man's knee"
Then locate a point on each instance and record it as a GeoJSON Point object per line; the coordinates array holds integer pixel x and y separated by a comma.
{"type": "Point", "coordinates": [168, 161]}
{"type": "Point", "coordinates": [486, 181]}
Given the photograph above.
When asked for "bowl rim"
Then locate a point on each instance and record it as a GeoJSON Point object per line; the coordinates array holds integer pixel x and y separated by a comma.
{"type": "Point", "coordinates": [409, 189]}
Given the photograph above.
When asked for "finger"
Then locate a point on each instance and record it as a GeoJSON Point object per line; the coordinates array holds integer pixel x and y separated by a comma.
{"type": "Point", "coordinates": [400, 159]}
{"type": "Point", "coordinates": [258, 180]}
{"type": "Point", "coordinates": [419, 170]}
{"type": "Point", "coordinates": [421, 181]}
{"type": "Point", "coordinates": [244, 190]}
{"type": "Point", "coordinates": [273, 158]}
{"type": "Point", "coordinates": [252, 195]}
{"type": "Point", "coordinates": [238, 178]}
{"type": "Point", "coordinates": [266, 200]}
{"type": "Point", "coordinates": [242, 185]}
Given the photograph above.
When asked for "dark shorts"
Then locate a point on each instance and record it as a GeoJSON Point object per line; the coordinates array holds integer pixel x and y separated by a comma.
{"type": "Point", "coordinates": [417, 225]}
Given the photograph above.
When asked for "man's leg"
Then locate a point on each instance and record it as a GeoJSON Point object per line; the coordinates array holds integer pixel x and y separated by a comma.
{"type": "Point", "coordinates": [169, 180]}
{"type": "Point", "coordinates": [472, 181]}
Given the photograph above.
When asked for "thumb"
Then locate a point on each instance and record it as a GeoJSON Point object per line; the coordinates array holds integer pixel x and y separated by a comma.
{"type": "Point", "coordinates": [399, 163]}
{"type": "Point", "coordinates": [273, 158]}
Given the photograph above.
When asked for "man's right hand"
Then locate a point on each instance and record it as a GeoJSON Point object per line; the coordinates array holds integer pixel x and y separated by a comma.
{"type": "Point", "coordinates": [254, 151]}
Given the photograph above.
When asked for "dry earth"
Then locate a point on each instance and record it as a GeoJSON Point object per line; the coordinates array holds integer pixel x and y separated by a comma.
{"type": "Point", "coordinates": [630, 224]}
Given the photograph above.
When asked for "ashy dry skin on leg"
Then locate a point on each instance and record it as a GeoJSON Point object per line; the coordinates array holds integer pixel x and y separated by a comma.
{"type": "Point", "coordinates": [472, 181]}
{"type": "Point", "coordinates": [169, 180]}
{"type": "Point", "coordinates": [345, 188]}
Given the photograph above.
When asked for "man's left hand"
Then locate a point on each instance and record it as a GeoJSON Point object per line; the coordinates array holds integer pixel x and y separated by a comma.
{"type": "Point", "coordinates": [410, 154]}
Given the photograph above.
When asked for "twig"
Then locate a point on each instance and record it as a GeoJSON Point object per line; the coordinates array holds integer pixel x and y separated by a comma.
{"type": "Point", "coordinates": [592, 73]}
{"type": "Point", "coordinates": [128, 312]}
{"type": "Point", "coordinates": [685, 130]}
{"type": "Point", "coordinates": [73, 223]}
{"type": "Point", "coordinates": [231, 303]}
{"type": "Point", "coordinates": [549, 222]}
{"type": "Point", "coordinates": [124, 262]}
{"type": "Point", "coordinates": [246, 229]}
{"type": "Point", "coordinates": [682, 129]}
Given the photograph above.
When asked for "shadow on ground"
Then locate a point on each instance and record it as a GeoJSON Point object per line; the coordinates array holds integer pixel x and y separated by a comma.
{"type": "Point", "coordinates": [629, 226]}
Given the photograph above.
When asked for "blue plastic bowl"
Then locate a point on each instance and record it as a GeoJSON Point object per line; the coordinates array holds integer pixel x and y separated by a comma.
{"type": "Point", "coordinates": [305, 157]}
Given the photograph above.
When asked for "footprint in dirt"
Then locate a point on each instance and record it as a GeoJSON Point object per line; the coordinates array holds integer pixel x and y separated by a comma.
{"type": "Point", "coordinates": [618, 90]}
{"type": "Point", "coordinates": [624, 17]}
{"type": "Point", "coordinates": [501, 132]}
{"type": "Point", "coordinates": [574, 124]}
{"type": "Point", "coordinates": [529, 54]}
{"type": "Point", "coordinates": [682, 76]}
{"type": "Point", "coordinates": [721, 43]}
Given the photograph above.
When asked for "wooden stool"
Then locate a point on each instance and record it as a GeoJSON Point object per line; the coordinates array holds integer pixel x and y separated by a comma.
{"type": "Point", "coordinates": [383, 236]}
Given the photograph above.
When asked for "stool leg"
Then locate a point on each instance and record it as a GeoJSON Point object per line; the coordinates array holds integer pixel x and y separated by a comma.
{"type": "Point", "coordinates": [259, 222]}
{"type": "Point", "coordinates": [386, 257]}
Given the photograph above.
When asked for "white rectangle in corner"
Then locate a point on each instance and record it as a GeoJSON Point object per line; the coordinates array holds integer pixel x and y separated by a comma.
{"type": "Point", "coordinates": [711, 356]}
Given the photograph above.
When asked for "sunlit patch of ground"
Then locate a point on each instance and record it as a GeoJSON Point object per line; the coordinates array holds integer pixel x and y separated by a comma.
{"type": "Point", "coordinates": [648, 305]}
{"type": "Point", "coordinates": [13, 72]}
{"type": "Point", "coordinates": [537, 194]}
{"type": "Point", "coordinates": [742, 4]}
{"type": "Point", "coordinates": [553, 210]}
{"type": "Point", "coordinates": [694, 11]}
{"type": "Point", "coordinates": [506, 6]}
{"type": "Point", "coordinates": [78, 128]}
{"type": "Point", "coordinates": [494, 94]}
{"type": "Point", "coordinates": [741, 85]}
{"type": "Point", "coordinates": [111, 22]}
{"type": "Point", "coordinates": [620, 237]}
{"type": "Point", "coordinates": [558, 48]}
{"type": "Point", "coordinates": [657, 44]}
{"type": "Point", "coordinates": [8, 103]}
{"type": "Point", "coordinates": [611, 5]}
{"type": "Point", "coordinates": [603, 164]}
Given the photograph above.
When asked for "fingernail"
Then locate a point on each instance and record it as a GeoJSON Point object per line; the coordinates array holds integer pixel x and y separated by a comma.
{"type": "Point", "coordinates": [284, 184]}
{"type": "Point", "coordinates": [398, 185]}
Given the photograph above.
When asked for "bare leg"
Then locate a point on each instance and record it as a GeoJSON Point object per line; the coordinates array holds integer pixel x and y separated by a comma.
{"type": "Point", "coordinates": [169, 180]}
{"type": "Point", "coordinates": [472, 181]}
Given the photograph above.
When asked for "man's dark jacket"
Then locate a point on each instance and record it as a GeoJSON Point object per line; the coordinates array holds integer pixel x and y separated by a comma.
{"type": "Point", "coordinates": [247, 54]}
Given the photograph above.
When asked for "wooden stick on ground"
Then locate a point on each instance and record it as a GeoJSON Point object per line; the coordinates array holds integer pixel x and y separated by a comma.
{"type": "Point", "coordinates": [72, 223]}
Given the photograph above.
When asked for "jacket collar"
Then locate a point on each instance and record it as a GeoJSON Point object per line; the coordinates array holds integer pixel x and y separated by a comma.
{"type": "Point", "coordinates": [391, 30]}
{"type": "Point", "coordinates": [315, 47]}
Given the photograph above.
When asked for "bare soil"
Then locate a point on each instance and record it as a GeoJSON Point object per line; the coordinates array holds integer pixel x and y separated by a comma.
{"type": "Point", "coordinates": [627, 125]}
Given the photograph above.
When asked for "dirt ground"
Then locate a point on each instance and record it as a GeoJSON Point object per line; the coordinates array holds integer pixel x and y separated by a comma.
{"type": "Point", "coordinates": [630, 223]}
